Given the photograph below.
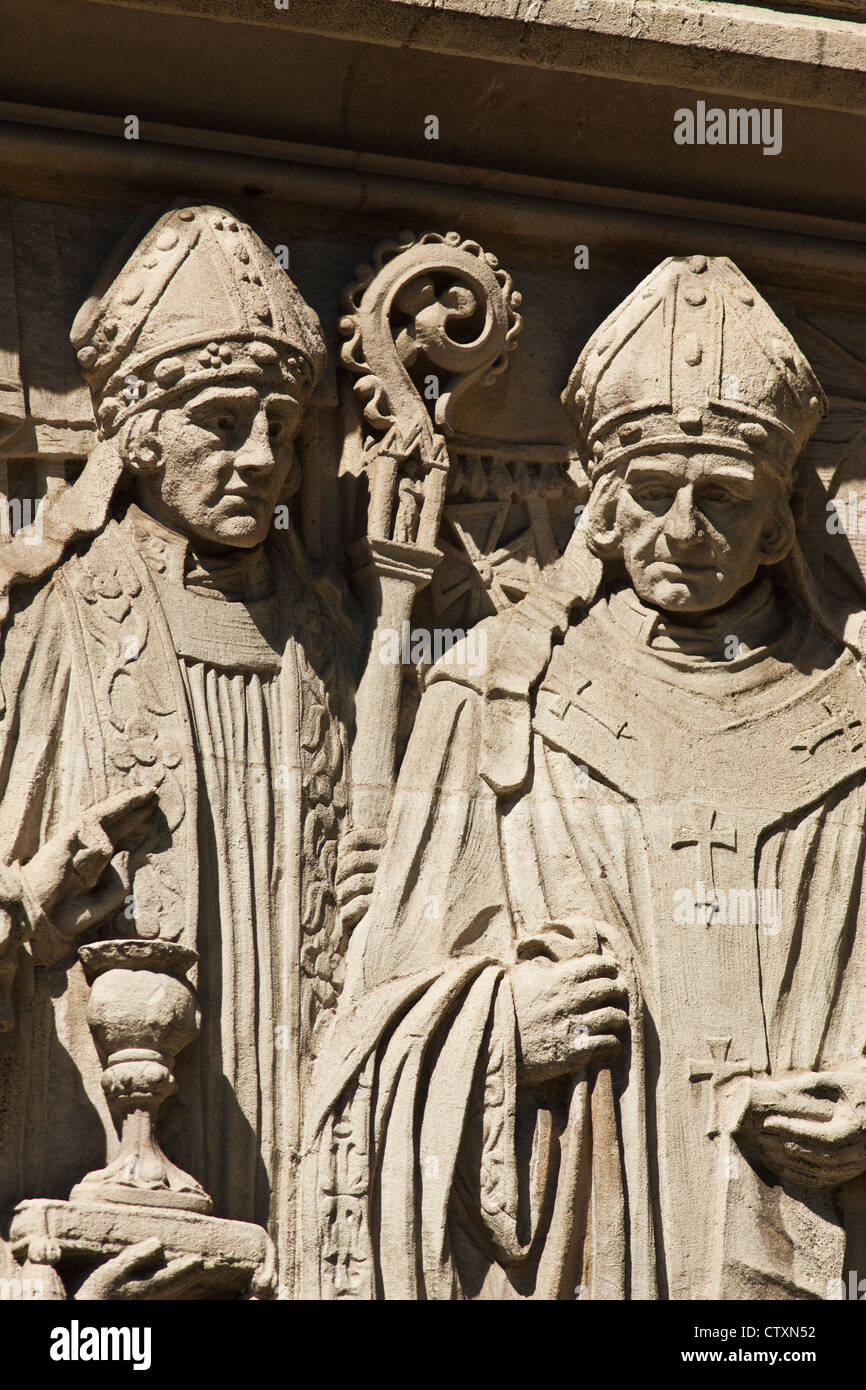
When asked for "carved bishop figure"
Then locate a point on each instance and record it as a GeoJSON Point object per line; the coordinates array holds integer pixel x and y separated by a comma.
{"type": "Point", "coordinates": [173, 759]}
{"type": "Point", "coordinates": [603, 1033]}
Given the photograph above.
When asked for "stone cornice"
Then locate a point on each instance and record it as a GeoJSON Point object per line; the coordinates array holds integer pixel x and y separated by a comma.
{"type": "Point", "coordinates": [516, 213]}
{"type": "Point", "coordinates": [814, 59]}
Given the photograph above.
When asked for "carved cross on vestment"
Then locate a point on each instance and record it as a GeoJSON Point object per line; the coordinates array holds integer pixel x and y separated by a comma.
{"type": "Point", "coordinates": [839, 723]}
{"type": "Point", "coordinates": [716, 1069]}
{"type": "Point", "coordinates": [705, 831]}
{"type": "Point", "coordinates": [561, 706]}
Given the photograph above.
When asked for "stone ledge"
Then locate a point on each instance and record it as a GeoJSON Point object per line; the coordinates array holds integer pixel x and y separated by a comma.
{"type": "Point", "coordinates": [804, 57]}
{"type": "Point", "coordinates": [517, 214]}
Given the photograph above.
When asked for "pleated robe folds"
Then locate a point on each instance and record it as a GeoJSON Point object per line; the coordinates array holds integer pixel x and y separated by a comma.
{"type": "Point", "coordinates": [431, 1169]}
{"type": "Point", "coordinates": [116, 672]}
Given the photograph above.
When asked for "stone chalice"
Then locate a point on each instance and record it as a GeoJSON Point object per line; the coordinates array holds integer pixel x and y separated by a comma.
{"type": "Point", "coordinates": [142, 1013]}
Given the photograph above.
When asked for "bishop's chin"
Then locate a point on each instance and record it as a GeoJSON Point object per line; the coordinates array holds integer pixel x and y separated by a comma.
{"type": "Point", "coordinates": [243, 531]}
{"type": "Point", "coordinates": [681, 596]}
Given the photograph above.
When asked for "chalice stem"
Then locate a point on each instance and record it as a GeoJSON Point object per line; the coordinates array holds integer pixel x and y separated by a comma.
{"type": "Point", "coordinates": [140, 1155]}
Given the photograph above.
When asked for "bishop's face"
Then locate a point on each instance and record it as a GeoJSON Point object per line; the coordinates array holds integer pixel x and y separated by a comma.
{"type": "Point", "coordinates": [224, 457]}
{"type": "Point", "coordinates": [695, 528]}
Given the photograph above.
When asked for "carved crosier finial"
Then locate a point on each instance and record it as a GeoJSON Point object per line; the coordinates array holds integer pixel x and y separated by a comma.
{"type": "Point", "coordinates": [438, 306]}
{"type": "Point", "coordinates": [428, 320]}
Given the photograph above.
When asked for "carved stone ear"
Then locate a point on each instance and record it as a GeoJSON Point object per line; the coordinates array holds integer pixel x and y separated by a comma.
{"type": "Point", "coordinates": [139, 443]}
{"type": "Point", "coordinates": [778, 535]}
{"type": "Point", "coordinates": [293, 478]}
{"type": "Point", "coordinates": [599, 519]}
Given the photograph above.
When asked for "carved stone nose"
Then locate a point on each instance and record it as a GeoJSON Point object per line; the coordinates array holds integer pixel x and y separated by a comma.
{"type": "Point", "coordinates": [682, 522]}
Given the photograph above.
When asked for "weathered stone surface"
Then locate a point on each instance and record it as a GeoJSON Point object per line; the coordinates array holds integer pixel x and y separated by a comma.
{"type": "Point", "coordinates": [432, 755]}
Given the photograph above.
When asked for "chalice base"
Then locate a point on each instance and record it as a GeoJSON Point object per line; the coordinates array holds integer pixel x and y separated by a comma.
{"type": "Point", "coordinates": [97, 1188]}
{"type": "Point", "coordinates": [140, 1174]}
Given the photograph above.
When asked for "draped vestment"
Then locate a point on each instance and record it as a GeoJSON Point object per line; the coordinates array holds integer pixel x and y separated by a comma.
{"type": "Point", "coordinates": [704, 809]}
{"type": "Point", "coordinates": [133, 664]}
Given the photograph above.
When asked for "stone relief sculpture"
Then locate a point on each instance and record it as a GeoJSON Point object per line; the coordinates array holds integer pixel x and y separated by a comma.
{"type": "Point", "coordinates": [602, 1032]}
{"type": "Point", "coordinates": [582, 1014]}
{"type": "Point", "coordinates": [173, 770]}
{"type": "Point", "coordinates": [178, 694]}
{"type": "Point", "coordinates": [446, 305]}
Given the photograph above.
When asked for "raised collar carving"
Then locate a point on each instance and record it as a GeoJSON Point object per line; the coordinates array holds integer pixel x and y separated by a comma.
{"type": "Point", "coordinates": [734, 634]}
{"type": "Point", "coordinates": [238, 576]}
{"type": "Point", "coordinates": [776, 744]}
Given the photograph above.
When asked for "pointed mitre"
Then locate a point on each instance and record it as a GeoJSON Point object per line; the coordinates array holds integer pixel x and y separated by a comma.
{"type": "Point", "coordinates": [693, 358]}
{"type": "Point", "coordinates": [201, 296]}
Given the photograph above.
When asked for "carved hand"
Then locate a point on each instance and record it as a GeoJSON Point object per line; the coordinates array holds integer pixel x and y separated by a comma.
{"type": "Point", "coordinates": [357, 863]}
{"type": "Point", "coordinates": [79, 877]}
{"type": "Point", "coordinates": [141, 1272]}
{"type": "Point", "coordinates": [570, 1013]}
{"type": "Point", "coordinates": [809, 1129]}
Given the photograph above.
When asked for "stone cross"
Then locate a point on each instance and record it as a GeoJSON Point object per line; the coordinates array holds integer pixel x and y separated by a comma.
{"type": "Point", "coordinates": [842, 722]}
{"type": "Point", "coordinates": [706, 832]}
{"type": "Point", "coordinates": [717, 1069]}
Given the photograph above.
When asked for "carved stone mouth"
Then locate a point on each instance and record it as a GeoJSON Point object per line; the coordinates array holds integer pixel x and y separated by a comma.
{"type": "Point", "coordinates": [686, 568]}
